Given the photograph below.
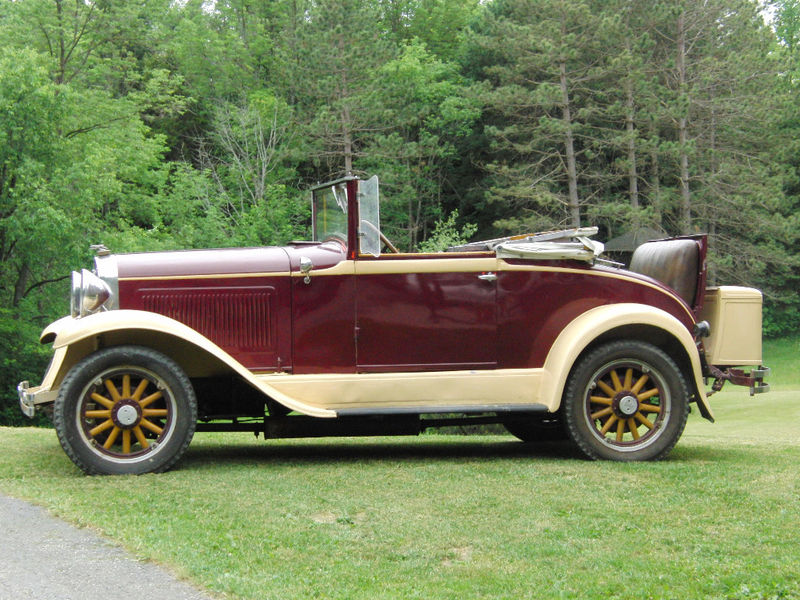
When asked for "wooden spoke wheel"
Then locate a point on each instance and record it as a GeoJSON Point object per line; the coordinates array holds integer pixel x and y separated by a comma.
{"type": "Point", "coordinates": [626, 401]}
{"type": "Point", "coordinates": [125, 410]}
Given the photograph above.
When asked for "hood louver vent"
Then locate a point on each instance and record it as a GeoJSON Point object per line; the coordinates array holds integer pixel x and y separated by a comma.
{"type": "Point", "coordinates": [233, 318]}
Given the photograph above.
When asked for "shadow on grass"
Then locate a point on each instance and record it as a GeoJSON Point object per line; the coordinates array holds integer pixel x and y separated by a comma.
{"type": "Point", "coordinates": [321, 452]}
{"type": "Point", "coordinates": [410, 450]}
{"type": "Point", "coordinates": [703, 453]}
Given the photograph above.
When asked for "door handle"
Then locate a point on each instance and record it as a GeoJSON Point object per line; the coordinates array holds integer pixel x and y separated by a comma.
{"type": "Point", "coordinates": [488, 277]}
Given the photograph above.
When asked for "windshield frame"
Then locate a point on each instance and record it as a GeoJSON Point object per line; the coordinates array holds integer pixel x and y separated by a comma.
{"type": "Point", "coordinates": [343, 208]}
{"type": "Point", "coordinates": [329, 212]}
{"type": "Point", "coordinates": [336, 214]}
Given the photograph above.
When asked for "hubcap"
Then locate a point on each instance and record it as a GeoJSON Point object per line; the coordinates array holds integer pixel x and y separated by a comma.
{"type": "Point", "coordinates": [628, 405]}
{"type": "Point", "coordinates": [125, 414]}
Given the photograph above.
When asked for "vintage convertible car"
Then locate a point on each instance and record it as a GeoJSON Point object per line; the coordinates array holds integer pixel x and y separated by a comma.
{"type": "Point", "coordinates": [331, 337]}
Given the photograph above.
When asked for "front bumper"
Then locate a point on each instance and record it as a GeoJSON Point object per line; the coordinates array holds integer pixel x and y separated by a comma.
{"type": "Point", "coordinates": [26, 403]}
{"type": "Point", "coordinates": [30, 397]}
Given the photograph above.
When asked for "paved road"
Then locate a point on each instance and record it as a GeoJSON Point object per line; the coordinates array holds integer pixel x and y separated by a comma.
{"type": "Point", "coordinates": [42, 558]}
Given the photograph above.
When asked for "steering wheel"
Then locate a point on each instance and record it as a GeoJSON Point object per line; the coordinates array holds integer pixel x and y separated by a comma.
{"type": "Point", "coordinates": [384, 239]}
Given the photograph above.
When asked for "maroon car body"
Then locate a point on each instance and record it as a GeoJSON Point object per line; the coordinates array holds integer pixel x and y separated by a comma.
{"type": "Point", "coordinates": [334, 337]}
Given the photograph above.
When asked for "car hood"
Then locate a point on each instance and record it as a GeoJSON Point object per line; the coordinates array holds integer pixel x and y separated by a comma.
{"type": "Point", "coordinates": [193, 263]}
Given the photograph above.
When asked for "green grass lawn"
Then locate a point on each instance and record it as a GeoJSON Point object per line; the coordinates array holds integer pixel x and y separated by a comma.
{"type": "Point", "coordinates": [456, 517]}
{"type": "Point", "coordinates": [783, 357]}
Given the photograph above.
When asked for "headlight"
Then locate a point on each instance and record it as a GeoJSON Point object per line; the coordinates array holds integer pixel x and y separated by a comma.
{"type": "Point", "coordinates": [89, 293]}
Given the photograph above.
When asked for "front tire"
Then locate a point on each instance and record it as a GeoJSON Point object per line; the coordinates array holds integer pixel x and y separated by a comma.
{"type": "Point", "coordinates": [626, 401]}
{"type": "Point", "coordinates": [125, 410]}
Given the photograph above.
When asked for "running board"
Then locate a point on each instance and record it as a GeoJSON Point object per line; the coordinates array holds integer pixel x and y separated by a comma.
{"type": "Point", "coordinates": [439, 409]}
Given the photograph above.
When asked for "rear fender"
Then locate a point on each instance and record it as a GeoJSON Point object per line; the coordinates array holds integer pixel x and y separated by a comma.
{"type": "Point", "coordinates": [601, 322]}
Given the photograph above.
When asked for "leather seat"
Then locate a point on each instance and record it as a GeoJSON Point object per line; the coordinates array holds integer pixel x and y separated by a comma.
{"type": "Point", "coordinates": [672, 262]}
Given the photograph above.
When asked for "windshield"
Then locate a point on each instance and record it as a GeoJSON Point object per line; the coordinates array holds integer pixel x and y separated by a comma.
{"type": "Point", "coordinates": [330, 213]}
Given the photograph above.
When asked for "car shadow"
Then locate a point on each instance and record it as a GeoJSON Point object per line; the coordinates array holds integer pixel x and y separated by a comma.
{"type": "Point", "coordinates": [274, 452]}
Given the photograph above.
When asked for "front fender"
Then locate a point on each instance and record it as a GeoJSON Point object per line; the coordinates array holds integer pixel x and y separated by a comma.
{"type": "Point", "coordinates": [603, 320]}
{"type": "Point", "coordinates": [73, 339]}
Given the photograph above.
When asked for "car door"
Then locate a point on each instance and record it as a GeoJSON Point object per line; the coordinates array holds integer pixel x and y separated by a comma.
{"type": "Point", "coordinates": [426, 314]}
{"type": "Point", "coordinates": [323, 310]}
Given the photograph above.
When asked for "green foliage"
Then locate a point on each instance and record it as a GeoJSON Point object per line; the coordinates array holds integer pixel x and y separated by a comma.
{"type": "Point", "coordinates": [446, 233]}
{"type": "Point", "coordinates": [431, 109]}
{"type": "Point", "coordinates": [158, 124]}
{"type": "Point", "coordinates": [21, 358]}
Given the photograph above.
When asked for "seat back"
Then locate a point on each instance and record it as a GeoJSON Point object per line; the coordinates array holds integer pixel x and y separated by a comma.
{"type": "Point", "coordinates": [674, 263]}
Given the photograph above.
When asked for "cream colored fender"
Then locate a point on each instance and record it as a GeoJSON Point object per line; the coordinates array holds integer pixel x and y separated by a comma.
{"type": "Point", "coordinates": [73, 339]}
{"type": "Point", "coordinates": [586, 328]}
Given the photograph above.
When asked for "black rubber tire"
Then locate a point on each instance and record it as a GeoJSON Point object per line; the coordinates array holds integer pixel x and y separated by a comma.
{"type": "Point", "coordinates": [536, 428]}
{"type": "Point", "coordinates": [667, 397]}
{"type": "Point", "coordinates": [86, 387]}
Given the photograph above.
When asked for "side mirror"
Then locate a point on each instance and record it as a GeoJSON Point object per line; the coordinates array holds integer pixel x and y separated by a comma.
{"type": "Point", "coordinates": [305, 268]}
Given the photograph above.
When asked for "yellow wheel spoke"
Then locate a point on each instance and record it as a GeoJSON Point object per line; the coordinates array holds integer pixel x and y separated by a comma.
{"type": "Point", "coordinates": [606, 388]}
{"type": "Point", "coordinates": [620, 429]}
{"type": "Point", "coordinates": [649, 408]}
{"type": "Point", "coordinates": [137, 395]}
{"type": "Point", "coordinates": [151, 426]}
{"type": "Point", "coordinates": [126, 441]}
{"type": "Point", "coordinates": [615, 380]}
{"type": "Point", "coordinates": [602, 413]}
{"type": "Point", "coordinates": [628, 379]}
{"type": "Point", "coordinates": [154, 412]}
{"type": "Point", "coordinates": [112, 389]}
{"type": "Point", "coordinates": [610, 423]}
{"type": "Point", "coordinates": [102, 400]}
{"type": "Point", "coordinates": [600, 400]}
{"type": "Point", "coordinates": [633, 428]}
{"type": "Point", "coordinates": [647, 394]}
{"type": "Point", "coordinates": [637, 387]}
{"type": "Point", "coordinates": [97, 414]}
{"type": "Point", "coordinates": [112, 437]}
{"type": "Point", "coordinates": [643, 420]}
{"type": "Point", "coordinates": [101, 428]}
{"type": "Point", "coordinates": [126, 386]}
{"type": "Point", "coordinates": [137, 431]}
{"type": "Point", "coordinates": [150, 399]}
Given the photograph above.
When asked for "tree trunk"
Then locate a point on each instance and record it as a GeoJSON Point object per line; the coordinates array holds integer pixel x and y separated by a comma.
{"type": "Point", "coordinates": [61, 77]}
{"type": "Point", "coordinates": [633, 178]}
{"type": "Point", "coordinates": [712, 206]}
{"type": "Point", "coordinates": [347, 144]}
{"type": "Point", "coordinates": [683, 129]}
{"type": "Point", "coordinates": [572, 171]}
{"type": "Point", "coordinates": [21, 284]}
{"type": "Point", "coordinates": [655, 178]}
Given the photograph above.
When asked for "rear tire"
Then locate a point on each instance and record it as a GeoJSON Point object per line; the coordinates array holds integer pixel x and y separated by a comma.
{"type": "Point", "coordinates": [626, 401]}
{"type": "Point", "coordinates": [125, 410]}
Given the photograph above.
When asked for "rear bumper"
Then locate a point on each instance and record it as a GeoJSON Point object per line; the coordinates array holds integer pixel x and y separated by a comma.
{"type": "Point", "coordinates": [754, 379]}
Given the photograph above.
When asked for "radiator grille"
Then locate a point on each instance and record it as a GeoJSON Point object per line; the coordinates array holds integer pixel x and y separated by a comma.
{"type": "Point", "coordinates": [239, 318]}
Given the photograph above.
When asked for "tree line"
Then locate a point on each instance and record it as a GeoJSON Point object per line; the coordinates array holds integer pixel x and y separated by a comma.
{"type": "Point", "coordinates": [156, 124]}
